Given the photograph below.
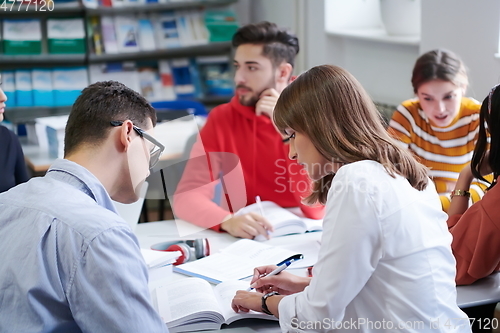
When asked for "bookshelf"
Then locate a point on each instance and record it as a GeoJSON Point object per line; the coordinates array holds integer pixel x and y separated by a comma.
{"type": "Point", "coordinates": [186, 51]}
{"type": "Point", "coordinates": [75, 9]}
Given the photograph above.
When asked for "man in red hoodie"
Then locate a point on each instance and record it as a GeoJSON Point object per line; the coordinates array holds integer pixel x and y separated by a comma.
{"type": "Point", "coordinates": [240, 146]}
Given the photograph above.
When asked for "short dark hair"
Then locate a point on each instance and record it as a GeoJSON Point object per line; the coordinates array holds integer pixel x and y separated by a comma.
{"type": "Point", "coordinates": [279, 44]}
{"type": "Point", "coordinates": [439, 64]}
{"type": "Point", "coordinates": [99, 104]}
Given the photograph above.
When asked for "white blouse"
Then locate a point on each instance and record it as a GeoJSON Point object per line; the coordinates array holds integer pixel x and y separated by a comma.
{"type": "Point", "coordinates": [385, 262]}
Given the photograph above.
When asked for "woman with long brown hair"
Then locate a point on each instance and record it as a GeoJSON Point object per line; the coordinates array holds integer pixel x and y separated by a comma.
{"type": "Point", "coordinates": [385, 261]}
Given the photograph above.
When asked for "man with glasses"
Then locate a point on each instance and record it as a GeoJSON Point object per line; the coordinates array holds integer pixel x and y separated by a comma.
{"type": "Point", "coordinates": [69, 262]}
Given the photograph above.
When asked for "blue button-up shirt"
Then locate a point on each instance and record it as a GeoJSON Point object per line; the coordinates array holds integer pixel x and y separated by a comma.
{"type": "Point", "coordinates": [68, 262]}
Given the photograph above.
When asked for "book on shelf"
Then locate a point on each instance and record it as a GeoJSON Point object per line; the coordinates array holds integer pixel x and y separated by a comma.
{"type": "Point", "coordinates": [192, 304]}
{"type": "Point", "coordinates": [127, 31]}
{"type": "Point", "coordinates": [167, 81]}
{"type": "Point", "coordinates": [215, 75]}
{"type": "Point", "coordinates": [185, 28]}
{"type": "Point", "coordinates": [150, 84]}
{"type": "Point", "coordinates": [43, 94]}
{"type": "Point", "coordinates": [200, 31]}
{"type": "Point", "coordinates": [68, 82]}
{"type": "Point", "coordinates": [124, 72]}
{"type": "Point", "coordinates": [22, 36]}
{"type": "Point", "coordinates": [94, 32]}
{"type": "Point", "coordinates": [235, 262]}
{"type": "Point", "coordinates": [146, 34]}
{"type": "Point", "coordinates": [24, 87]}
{"type": "Point", "coordinates": [66, 35]}
{"type": "Point", "coordinates": [9, 87]}
{"type": "Point", "coordinates": [186, 78]}
{"type": "Point", "coordinates": [167, 34]}
{"type": "Point", "coordinates": [221, 24]}
{"type": "Point", "coordinates": [109, 35]}
{"type": "Point", "coordinates": [283, 221]}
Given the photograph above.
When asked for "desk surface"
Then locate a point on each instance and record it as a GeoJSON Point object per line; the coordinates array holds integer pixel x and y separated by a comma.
{"type": "Point", "coordinates": [484, 291]}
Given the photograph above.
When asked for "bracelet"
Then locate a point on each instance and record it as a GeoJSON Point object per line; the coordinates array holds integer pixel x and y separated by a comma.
{"type": "Point", "coordinates": [264, 305]}
{"type": "Point", "coordinates": [460, 193]}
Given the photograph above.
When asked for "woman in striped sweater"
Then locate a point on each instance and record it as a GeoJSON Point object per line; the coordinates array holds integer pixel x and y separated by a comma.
{"type": "Point", "coordinates": [440, 126]}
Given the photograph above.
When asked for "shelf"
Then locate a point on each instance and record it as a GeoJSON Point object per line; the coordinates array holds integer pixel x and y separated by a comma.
{"type": "Point", "coordinates": [41, 60]}
{"type": "Point", "coordinates": [25, 114]}
{"type": "Point", "coordinates": [156, 7]}
{"type": "Point", "coordinates": [35, 9]}
{"type": "Point", "coordinates": [187, 51]}
{"type": "Point", "coordinates": [376, 35]}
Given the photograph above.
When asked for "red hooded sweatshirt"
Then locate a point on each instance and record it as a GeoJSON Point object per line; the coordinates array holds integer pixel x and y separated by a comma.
{"type": "Point", "coordinates": [248, 151]}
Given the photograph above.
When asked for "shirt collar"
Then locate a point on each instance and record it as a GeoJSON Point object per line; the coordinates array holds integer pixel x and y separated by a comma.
{"type": "Point", "coordinates": [77, 176]}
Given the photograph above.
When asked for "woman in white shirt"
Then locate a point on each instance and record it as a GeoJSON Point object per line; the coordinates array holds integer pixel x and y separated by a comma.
{"type": "Point", "coordinates": [385, 261]}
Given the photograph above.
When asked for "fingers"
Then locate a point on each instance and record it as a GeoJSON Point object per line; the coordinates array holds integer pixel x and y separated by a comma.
{"type": "Point", "coordinates": [270, 92]}
{"type": "Point", "coordinates": [254, 225]}
{"type": "Point", "coordinates": [262, 221]}
{"type": "Point", "coordinates": [267, 101]}
{"type": "Point", "coordinates": [258, 272]}
{"type": "Point", "coordinates": [245, 301]}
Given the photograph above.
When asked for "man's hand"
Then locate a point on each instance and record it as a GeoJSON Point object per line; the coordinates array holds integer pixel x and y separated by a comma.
{"type": "Point", "coordinates": [267, 102]}
{"type": "Point", "coordinates": [247, 226]}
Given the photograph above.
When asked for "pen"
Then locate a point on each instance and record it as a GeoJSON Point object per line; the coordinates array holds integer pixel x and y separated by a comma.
{"type": "Point", "coordinates": [259, 205]}
{"type": "Point", "coordinates": [281, 266]}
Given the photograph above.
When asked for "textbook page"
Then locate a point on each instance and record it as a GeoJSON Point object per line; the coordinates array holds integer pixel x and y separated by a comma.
{"type": "Point", "coordinates": [188, 305]}
{"type": "Point", "coordinates": [235, 262]}
{"type": "Point", "coordinates": [283, 221]}
{"type": "Point", "coordinates": [192, 304]}
{"type": "Point", "coordinates": [225, 292]}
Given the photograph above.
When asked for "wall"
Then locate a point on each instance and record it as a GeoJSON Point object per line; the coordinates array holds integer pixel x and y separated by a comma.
{"type": "Point", "coordinates": [469, 28]}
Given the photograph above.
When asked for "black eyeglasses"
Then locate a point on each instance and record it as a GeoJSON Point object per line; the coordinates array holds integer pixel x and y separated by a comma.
{"type": "Point", "coordinates": [157, 149]}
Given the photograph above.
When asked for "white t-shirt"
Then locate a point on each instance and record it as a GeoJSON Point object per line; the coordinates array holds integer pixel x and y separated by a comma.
{"type": "Point", "coordinates": [385, 262]}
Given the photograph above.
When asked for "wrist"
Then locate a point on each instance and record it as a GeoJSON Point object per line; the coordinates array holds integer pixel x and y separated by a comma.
{"type": "Point", "coordinates": [226, 218]}
{"type": "Point", "coordinates": [265, 308]}
{"type": "Point", "coordinates": [460, 193]}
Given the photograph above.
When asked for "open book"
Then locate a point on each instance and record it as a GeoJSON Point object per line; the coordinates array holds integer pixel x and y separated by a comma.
{"type": "Point", "coordinates": [193, 304]}
{"type": "Point", "coordinates": [283, 221]}
{"type": "Point", "coordinates": [236, 262]}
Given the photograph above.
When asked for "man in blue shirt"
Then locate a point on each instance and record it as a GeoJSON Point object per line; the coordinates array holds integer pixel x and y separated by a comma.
{"type": "Point", "coordinates": [69, 263]}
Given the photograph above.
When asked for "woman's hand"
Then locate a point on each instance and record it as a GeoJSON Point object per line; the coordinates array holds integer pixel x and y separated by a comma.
{"type": "Point", "coordinates": [245, 301]}
{"type": "Point", "coordinates": [284, 283]}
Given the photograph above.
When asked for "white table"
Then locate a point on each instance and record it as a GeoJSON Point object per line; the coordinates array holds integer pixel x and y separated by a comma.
{"type": "Point", "coordinates": [484, 291]}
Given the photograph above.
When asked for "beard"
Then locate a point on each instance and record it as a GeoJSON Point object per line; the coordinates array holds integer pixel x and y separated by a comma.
{"type": "Point", "coordinates": [254, 98]}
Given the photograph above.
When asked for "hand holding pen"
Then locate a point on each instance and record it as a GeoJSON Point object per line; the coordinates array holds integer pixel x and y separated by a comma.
{"type": "Point", "coordinates": [266, 278]}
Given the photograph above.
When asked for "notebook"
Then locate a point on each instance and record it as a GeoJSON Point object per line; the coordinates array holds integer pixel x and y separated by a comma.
{"type": "Point", "coordinates": [283, 221]}
{"type": "Point", "coordinates": [235, 262]}
{"type": "Point", "coordinates": [192, 304]}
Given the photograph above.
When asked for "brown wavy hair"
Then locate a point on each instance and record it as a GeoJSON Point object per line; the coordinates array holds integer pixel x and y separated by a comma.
{"type": "Point", "coordinates": [330, 107]}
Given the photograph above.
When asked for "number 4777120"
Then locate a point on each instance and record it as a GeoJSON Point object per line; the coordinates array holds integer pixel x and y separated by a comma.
{"type": "Point", "coordinates": [26, 5]}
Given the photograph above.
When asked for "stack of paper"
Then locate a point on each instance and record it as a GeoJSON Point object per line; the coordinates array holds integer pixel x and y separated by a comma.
{"type": "Point", "coordinates": [159, 265]}
{"type": "Point", "coordinates": [155, 259]}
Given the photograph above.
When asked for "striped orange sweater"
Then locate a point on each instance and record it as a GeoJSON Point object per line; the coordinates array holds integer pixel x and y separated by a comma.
{"type": "Point", "coordinates": [445, 151]}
